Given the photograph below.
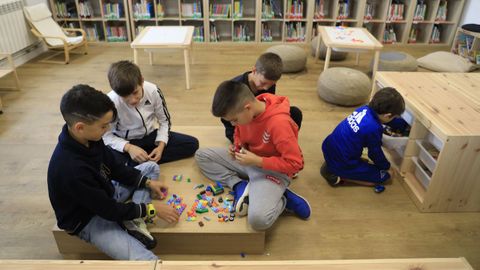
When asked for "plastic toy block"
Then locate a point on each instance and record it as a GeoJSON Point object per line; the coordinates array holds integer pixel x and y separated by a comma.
{"type": "Point", "coordinates": [216, 189]}
{"type": "Point", "coordinates": [220, 200]}
{"type": "Point", "coordinates": [174, 178]}
{"type": "Point", "coordinates": [188, 180]}
{"type": "Point", "coordinates": [379, 189]}
{"type": "Point", "coordinates": [198, 186]}
{"type": "Point", "coordinates": [200, 224]}
{"type": "Point", "coordinates": [207, 218]}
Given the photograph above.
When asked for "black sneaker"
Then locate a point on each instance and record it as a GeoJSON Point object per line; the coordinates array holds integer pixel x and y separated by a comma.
{"type": "Point", "coordinates": [332, 179]}
{"type": "Point", "coordinates": [138, 229]}
{"type": "Point", "coordinates": [240, 196]}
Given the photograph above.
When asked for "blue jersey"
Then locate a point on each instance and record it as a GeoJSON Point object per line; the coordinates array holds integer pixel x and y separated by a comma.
{"type": "Point", "coordinates": [343, 148]}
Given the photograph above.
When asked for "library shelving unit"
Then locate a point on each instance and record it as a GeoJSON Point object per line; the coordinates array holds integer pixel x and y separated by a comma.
{"type": "Point", "coordinates": [467, 45]}
{"type": "Point", "coordinates": [102, 20]}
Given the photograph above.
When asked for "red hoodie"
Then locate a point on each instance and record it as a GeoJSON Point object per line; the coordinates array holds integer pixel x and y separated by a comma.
{"type": "Point", "coordinates": [273, 135]}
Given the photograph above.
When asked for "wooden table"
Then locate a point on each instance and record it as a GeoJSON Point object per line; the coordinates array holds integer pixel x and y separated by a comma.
{"type": "Point", "coordinates": [355, 39]}
{"type": "Point", "coordinates": [446, 115]}
{"type": "Point", "coordinates": [165, 37]}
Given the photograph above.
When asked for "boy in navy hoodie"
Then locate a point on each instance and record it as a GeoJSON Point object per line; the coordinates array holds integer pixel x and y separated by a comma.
{"type": "Point", "coordinates": [343, 148]}
{"type": "Point", "coordinates": [88, 203]}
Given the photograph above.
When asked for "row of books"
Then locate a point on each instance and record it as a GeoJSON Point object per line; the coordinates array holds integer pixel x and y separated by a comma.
{"type": "Point", "coordinates": [116, 34]}
{"type": "Point", "coordinates": [192, 10]}
{"type": "Point", "coordinates": [389, 36]}
{"type": "Point", "coordinates": [420, 11]}
{"type": "Point", "coordinates": [214, 37]}
{"type": "Point", "coordinates": [85, 9]}
{"type": "Point", "coordinates": [198, 34]}
{"type": "Point", "coordinates": [414, 33]}
{"type": "Point", "coordinates": [321, 9]}
{"type": "Point", "coordinates": [436, 32]}
{"type": "Point", "coordinates": [65, 10]}
{"type": "Point", "coordinates": [220, 10]}
{"type": "Point", "coordinates": [396, 11]}
{"type": "Point", "coordinates": [93, 33]}
{"type": "Point", "coordinates": [442, 11]}
{"type": "Point", "coordinates": [294, 32]}
{"type": "Point", "coordinates": [271, 9]}
{"type": "Point", "coordinates": [267, 33]}
{"type": "Point", "coordinates": [343, 9]}
{"type": "Point", "coordinates": [143, 10]}
{"type": "Point", "coordinates": [242, 32]}
{"type": "Point", "coordinates": [238, 9]}
{"type": "Point", "coordinates": [369, 11]}
{"type": "Point", "coordinates": [464, 46]}
{"type": "Point", "coordinates": [295, 9]}
{"type": "Point", "coordinates": [113, 11]}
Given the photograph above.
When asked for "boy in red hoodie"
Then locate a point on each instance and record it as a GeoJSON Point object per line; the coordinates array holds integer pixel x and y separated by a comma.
{"type": "Point", "coordinates": [265, 155]}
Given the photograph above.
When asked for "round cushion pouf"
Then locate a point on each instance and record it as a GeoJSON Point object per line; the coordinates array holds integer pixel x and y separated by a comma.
{"type": "Point", "coordinates": [344, 86]}
{"type": "Point", "coordinates": [293, 58]}
{"type": "Point", "coordinates": [335, 56]}
{"type": "Point", "coordinates": [396, 61]}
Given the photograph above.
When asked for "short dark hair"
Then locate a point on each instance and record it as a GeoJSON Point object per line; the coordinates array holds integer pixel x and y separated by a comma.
{"type": "Point", "coordinates": [387, 100]}
{"type": "Point", "coordinates": [229, 97]}
{"type": "Point", "coordinates": [124, 76]}
{"type": "Point", "coordinates": [85, 104]}
{"type": "Point", "coordinates": [270, 66]}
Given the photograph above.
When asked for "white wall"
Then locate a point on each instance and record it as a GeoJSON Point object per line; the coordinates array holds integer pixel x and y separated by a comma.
{"type": "Point", "coordinates": [471, 12]}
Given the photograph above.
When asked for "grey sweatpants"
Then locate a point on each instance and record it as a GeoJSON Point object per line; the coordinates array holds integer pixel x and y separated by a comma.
{"type": "Point", "coordinates": [266, 188]}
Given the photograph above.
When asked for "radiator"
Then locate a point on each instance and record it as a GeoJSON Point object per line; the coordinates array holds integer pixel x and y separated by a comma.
{"type": "Point", "coordinates": [14, 31]}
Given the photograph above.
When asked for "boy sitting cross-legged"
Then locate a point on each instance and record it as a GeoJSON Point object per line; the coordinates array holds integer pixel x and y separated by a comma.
{"type": "Point", "coordinates": [94, 196]}
{"type": "Point", "coordinates": [264, 157]}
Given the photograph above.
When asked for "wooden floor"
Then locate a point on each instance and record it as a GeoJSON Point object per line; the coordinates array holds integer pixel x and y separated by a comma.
{"type": "Point", "coordinates": [346, 223]}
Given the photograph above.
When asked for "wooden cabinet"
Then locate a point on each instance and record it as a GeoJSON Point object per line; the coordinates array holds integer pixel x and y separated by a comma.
{"type": "Point", "coordinates": [441, 162]}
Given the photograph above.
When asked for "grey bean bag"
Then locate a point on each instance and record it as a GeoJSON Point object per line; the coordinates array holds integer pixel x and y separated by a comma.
{"type": "Point", "coordinates": [293, 58]}
{"type": "Point", "coordinates": [344, 86]}
{"type": "Point", "coordinates": [396, 61]}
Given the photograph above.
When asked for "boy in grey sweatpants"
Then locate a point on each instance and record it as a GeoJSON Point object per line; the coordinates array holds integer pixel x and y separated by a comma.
{"type": "Point", "coordinates": [264, 157]}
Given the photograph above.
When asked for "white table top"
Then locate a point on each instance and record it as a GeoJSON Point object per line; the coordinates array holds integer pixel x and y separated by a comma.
{"type": "Point", "coordinates": [164, 36]}
{"type": "Point", "coordinates": [349, 37]}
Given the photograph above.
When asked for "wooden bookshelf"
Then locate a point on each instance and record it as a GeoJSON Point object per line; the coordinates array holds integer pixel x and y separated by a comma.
{"type": "Point", "coordinates": [102, 20]}
{"type": "Point", "coordinates": [467, 45]}
{"type": "Point", "coordinates": [406, 22]}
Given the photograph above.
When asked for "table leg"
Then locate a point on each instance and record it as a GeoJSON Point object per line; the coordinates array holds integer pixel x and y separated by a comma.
{"type": "Point", "coordinates": [357, 60]}
{"type": "Point", "coordinates": [374, 69]}
{"type": "Point", "coordinates": [135, 56]}
{"type": "Point", "coordinates": [327, 58]}
{"type": "Point", "coordinates": [317, 50]}
{"type": "Point", "coordinates": [186, 54]}
{"type": "Point", "coordinates": [150, 57]}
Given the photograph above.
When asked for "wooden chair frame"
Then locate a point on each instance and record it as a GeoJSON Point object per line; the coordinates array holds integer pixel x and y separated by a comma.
{"type": "Point", "coordinates": [4, 72]}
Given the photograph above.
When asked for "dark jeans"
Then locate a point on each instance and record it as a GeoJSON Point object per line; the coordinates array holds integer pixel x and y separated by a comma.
{"type": "Point", "coordinates": [295, 114]}
{"type": "Point", "coordinates": [179, 146]}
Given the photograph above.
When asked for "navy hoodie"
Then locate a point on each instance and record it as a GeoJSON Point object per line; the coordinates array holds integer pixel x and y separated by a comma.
{"type": "Point", "coordinates": [343, 148]}
{"type": "Point", "coordinates": [80, 187]}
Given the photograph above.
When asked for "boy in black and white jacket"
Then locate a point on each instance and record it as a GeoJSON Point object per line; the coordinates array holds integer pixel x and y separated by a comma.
{"type": "Point", "coordinates": [141, 131]}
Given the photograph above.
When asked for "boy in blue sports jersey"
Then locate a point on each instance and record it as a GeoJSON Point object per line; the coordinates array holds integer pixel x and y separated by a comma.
{"type": "Point", "coordinates": [343, 148]}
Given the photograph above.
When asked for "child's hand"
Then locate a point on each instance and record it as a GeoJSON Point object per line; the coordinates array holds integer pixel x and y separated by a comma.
{"type": "Point", "coordinates": [156, 153]}
{"type": "Point", "coordinates": [158, 188]}
{"type": "Point", "coordinates": [231, 150]}
{"type": "Point", "coordinates": [166, 212]}
{"type": "Point", "coordinates": [248, 158]}
{"type": "Point", "coordinates": [136, 153]}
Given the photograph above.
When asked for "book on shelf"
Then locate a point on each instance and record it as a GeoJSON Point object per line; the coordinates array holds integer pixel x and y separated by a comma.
{"type": "Point", "coordinates": [442, 11]}
{"type": "Point", "coordinates": [389, 35]}
{"type": "Point", "coordinates": [220, 11]}
{"type": "Point", "coordinates": [116, 34]}
{"type": "Point", "coordinates": [369, 11]}
{"type": "Point", "coordinates": [436, 34]}
{"type": "Point", "coordinates": [266, 33]}
{"type": "Point", "coordinates": [213, 34]}
{"type": "Point", "coordinates": [198, 34]}
{"type": "Point", "coordinates": [412, 36]}
{"type": "Point", "coordinates": [139, 29]}
{"type": "Point", "coordinates": [192, 10]}
{"type": "Point", "coordinates": [238, 9]}
{"type": "Point", "coordinates": [321, 11]}
{"type": "Point", "coordinates": [65, 10]}
{"type": "Point", "coordinates": [343, 9]}
{"type": "Point", "coordinates": [85, 9]}
{"type": "Point", "coordinates": [160, 10]}
{"type": "Point", "coordinates": [144, 10]}
{"type": "Point", "coordinates": [295, 32]}
{"type": "Point", "coordinates": [295, 9]}
{"type": "Point", "coordinates": [241, 33]}
{"type": "Point", "coordinates": [420, 11]}
{"type": "Point", "coordinates": [92, 33]}
{"type": "Point", "coordinates": [113, 11]}
{"type": "Point", "coordinates": [271, 9]}
{"type": "Point", "coordinates": [396, 11]}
